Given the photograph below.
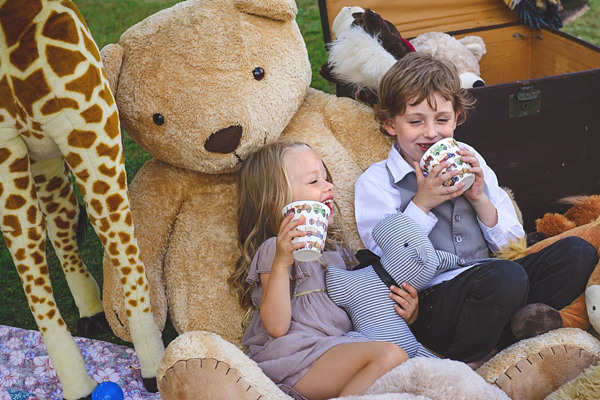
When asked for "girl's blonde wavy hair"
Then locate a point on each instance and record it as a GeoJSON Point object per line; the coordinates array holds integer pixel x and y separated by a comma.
{"type": "Point", "coordinates": [263, 189]}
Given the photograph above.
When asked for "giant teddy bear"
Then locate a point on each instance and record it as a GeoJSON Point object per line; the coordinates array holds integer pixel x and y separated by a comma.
{"type": "Point", "coordinates": [199, 86]}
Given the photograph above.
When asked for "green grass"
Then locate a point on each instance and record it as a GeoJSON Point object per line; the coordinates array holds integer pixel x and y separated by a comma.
{"type": "Point", "coordinates": [587, 27]}
{"type": "Point", "coordinates": [107, 20]}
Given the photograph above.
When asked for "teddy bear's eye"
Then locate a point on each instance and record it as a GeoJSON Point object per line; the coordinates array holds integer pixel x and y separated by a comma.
{"type": "Point", "coordinates": [405, 244]}
{"type": "Point", "coordinates": [158, 119]}
{"type": "Point", "coordinates": [258, 73]}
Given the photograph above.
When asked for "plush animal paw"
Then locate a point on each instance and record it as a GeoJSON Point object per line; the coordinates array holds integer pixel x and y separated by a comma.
{"type": "Point", "coordinates": [535, 319]}
{"type": "Point", "coordinates": [207, 378]}
{"type": "Point", "coordinates": [533, 368]}
{"type": "Point", "coordinates": [540, 374]}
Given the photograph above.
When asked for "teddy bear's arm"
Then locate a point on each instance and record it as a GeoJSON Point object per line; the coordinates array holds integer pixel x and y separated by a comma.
{"type": "Point", "coordinates": [156, 192]}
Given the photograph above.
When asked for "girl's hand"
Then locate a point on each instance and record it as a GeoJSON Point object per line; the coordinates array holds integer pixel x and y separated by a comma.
{"type": "Point", "coordinates": [407, 301]}
{"type": "Point", "coordinates": [475, 192]}
{"type": "Point", "coordinates": [285, 247]}
{"type": "Point", "coordinates": [431, 191]}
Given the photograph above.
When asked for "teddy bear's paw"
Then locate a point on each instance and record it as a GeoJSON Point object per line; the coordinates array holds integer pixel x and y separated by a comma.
{"type": "Point", "coordinates": [539, 374]}
{"type": "Point", "coordinates": [205, 378]}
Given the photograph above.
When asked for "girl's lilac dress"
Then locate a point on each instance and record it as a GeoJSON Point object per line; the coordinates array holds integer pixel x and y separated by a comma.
{"type": "Point", "coordinates": [317, 324]}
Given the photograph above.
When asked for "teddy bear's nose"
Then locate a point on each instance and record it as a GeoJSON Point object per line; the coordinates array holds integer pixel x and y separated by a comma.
{"type": "Point", "coordinates": [478, 83]}
{"type": "Point", "coordinates": [225, 140]}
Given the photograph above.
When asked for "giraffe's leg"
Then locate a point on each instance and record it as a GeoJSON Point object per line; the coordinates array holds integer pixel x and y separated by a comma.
{"type": "Point", "coordinates": [23, 227]}
{"type": "Point", "coordinates": [98, 165]}
{"type": "Point", "coordinates": [59, 204]}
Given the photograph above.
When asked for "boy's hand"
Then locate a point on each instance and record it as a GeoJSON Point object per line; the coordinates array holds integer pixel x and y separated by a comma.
{"type": "Point", "coordinates": [407, 301]}
{"type": "Point", "coordinates": [431, 191]}
{"type": "Point", "coordinates": [486, 211]}
{"type": "Point", "coordinates": [285, 247]}
{"type": "Point", "coordinates": [475, 192]}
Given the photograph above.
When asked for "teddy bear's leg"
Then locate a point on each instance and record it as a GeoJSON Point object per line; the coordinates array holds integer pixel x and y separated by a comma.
{"type": "Point", "coordinates": [24, 231]}
{"type": "Point", "coordinates": [59, 204]}
{"type": "Point", "coordinates": [202, 365]}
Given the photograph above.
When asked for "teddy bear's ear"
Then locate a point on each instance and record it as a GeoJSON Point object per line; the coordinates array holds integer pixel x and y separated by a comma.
{"type": "Point", "coordinates": [280, 10]}
{"type": "Point", "coordinates": [112, 60]}
{"type": "Point", "coordinates": [475, 45]}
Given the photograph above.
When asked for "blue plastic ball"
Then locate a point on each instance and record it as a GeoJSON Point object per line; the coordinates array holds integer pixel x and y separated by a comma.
{"type": "Point", "coordinates": [107, 391]}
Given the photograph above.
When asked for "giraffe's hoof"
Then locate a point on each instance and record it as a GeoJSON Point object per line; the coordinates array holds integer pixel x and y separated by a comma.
{"type": "Point", "coordinates": [205, 378]}
{"type": "Point", "coordinates": [90, 326]}
{"type": "Point", "coordinates": [150, 384]}
{"type": "Point", "coordinates": [540, 374]}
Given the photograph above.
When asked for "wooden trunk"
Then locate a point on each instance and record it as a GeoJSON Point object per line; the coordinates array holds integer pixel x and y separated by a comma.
{"type": "Point", "coordinates": [537, 122]}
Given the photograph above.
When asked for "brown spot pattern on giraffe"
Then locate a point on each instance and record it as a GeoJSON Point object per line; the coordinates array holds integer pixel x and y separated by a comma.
{"type": "Point", "coordinates": [100, 187]}
{"type": "Point", "coordinates": [110, 172]}
{"type": "Point", "coordinates": [104, 150]}
{"type": "Point", "coordinates": [63, 61]}
{"type": "Point", "coordinates": [86, 83]}
{"type": "Point", "coordinates": [26, 52]}
{"type": "Point", "coordinates": [31, 90]}
{"type": "Point", "coordinates": [61, 27]}
{"type": "Point", "coordinates": [19, 165]}
{"type": "Point", "coordinates": [106, 95]}
{"type": "Point", "coordinates": [92, 114]}
{"type": "Point", "coordinates": [21, 183]}
{"type": "Point", "coordinates": [6, 98]}
{"type": "Point", "coordinates": [112, 126]}
{"type": "Point", "coordinates": [32, 213]}
{"type": "Point", "coordinates": [14, 18]}
{"type": "Point", "coordinates": [55, 105]}
{"type": "Point", "coordinates": [83, 175]}
{"type": "Point", "coordinates": [113, 202]}
{"type": "Point", "coordinates": [14, 202]}
{"type": "Point", "coordinates": [82, 139]}
{"type": "Point", "coordinates": [90, 46]}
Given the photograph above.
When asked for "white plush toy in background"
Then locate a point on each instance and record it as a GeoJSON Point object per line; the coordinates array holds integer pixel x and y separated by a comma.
{"type": "Point", "coordinates": [464, 53]}
{"type": "Point", "coordinates": [592, 302]}
{"type": "Point", "coordinates": [366, 46]}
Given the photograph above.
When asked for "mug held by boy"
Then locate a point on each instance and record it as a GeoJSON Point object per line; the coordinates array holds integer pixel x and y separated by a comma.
{"type": "Point", "coordinates": [447, 150]}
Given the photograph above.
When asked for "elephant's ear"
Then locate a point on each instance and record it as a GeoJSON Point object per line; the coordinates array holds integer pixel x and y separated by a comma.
{"type": "Point", "coordinates": [112, 60]}
{"type": "Point", "coordinates": [280, 10]}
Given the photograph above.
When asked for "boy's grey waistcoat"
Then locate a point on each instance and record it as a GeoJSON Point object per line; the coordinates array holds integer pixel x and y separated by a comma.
{"type": "Point", "coordinates": [457, 230]}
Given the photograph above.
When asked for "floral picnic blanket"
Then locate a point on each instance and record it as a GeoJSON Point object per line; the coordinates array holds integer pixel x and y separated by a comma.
{"type": "Point", "coordinates": [26, 372]}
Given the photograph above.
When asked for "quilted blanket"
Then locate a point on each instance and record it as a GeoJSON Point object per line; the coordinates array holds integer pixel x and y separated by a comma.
{"type": "Point", "coordinates": [26, 370]}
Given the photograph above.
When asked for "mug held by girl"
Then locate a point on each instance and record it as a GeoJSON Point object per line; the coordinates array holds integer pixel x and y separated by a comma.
{"type": "Point", "coordinates": [316, 216]}
{"type": "Point", "coordinates": [447, 150]}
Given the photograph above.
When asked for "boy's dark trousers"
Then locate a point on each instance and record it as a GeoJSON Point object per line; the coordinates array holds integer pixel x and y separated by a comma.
{"type": "Point", "coordinates": [466, 317]}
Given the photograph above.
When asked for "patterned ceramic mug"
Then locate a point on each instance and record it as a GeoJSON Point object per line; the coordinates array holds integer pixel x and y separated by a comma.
{"type": "Point", "coordinates": [316, 215]}
{"type": "Point", "coordinates": [447, 150]}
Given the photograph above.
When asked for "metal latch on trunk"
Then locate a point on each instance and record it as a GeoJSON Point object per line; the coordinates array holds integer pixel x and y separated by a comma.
{"type": "Point", "coordinates": [527, 102]}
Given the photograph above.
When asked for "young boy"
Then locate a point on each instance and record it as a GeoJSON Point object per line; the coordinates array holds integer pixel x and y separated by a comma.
{"type": "Point", "coordinates": [466, 313]}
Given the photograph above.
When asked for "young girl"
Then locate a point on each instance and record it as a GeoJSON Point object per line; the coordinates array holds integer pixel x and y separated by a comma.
{"type": "Point", "coordinates": [299, 338]}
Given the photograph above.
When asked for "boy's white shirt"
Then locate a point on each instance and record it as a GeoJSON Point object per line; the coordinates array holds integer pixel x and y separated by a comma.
{"type": "Point", "coordinates": [375, 198]}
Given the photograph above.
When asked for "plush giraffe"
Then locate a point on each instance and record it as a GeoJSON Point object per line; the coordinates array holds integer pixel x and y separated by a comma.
{"type": "Point", "coordinates": [57, 117]}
